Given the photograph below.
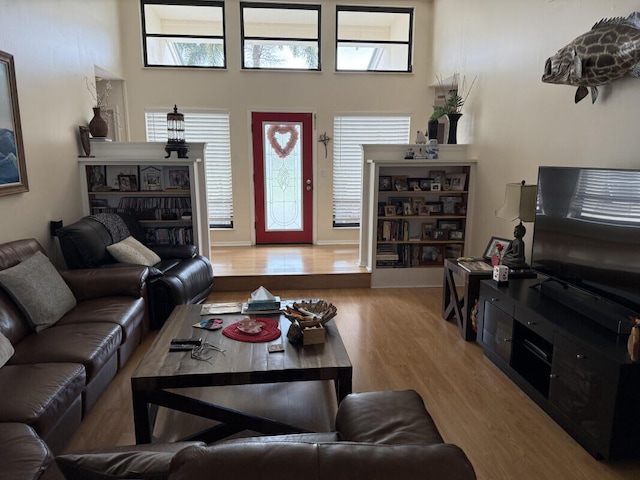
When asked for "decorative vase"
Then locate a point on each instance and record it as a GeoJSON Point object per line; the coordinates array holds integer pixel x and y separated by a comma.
{"type": "Point", "coordinates": [432, 130]}
{"type": "Point", "coordinates": [98, 126]}
{"type": "Point", "coordinates": [453, 118]}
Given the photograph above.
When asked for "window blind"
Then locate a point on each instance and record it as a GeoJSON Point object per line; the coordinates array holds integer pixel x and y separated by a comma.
{"type": "Point", "coordinates": [349, 133]}
{"type": "Point", "coordinates": [212, 128]}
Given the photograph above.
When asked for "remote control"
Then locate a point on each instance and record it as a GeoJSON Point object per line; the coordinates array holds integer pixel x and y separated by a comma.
{"type": "Point", "coordinates": [176, 347]}
{"type": "Point", "coordinates": [186, 341]}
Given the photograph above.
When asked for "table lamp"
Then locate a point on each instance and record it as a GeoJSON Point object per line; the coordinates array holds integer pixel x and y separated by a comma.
{"type": "Point", "coordinates": [519, 204]}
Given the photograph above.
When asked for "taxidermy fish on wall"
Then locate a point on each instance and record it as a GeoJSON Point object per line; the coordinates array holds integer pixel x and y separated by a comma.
{"type": "Point", "coordinates": [609, 51]}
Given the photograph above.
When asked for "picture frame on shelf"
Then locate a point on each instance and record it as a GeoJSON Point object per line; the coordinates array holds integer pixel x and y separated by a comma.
{"type": "Point", "coordinates": [97, 178]}
{"type": "Point", "coordinates": [399, 203]}
{"type": "Point", "coordinates": [431, 254]}
{"type": "Point", "coordinates": [449, 224]}
{"type": "Point", "coordinates": [433, 208]}
{"type": "Point", "coordinates": [177, 178]}
{"type": "Point", "coordinates": [414, 184]}
{"type": "Point", "coordinates": [456, 234]}
{"type": "Point", "coordinates": [381, 206]}
{"type": "Point", "coordinates": [425, 184]}
{"type": "Point", "coordinates": [400, 183]}
{"type": "Point", "coordinates": [427, 230]}
{"type": "Point", "coordinates": [491, 246]}
{"type": "Point", "coordinates": [389, 210]}
{"type": "Point", "coordinates": [151, 178]}
{"type": "Point", "coordinates": [407, 209]}
{"type": "Point", "coordinates": [436, 187]}
{"type": "Point", "coordinates": [453, 250]}
{"type": "Point", "coordinates": [384, 183]}
{"type": "Point", "coordinates": [457, 181]}
{"type": "Point", "coordinates": [440, 234]}
{"type": "Point", "coordinates": [114, 171]}
{"type": "Point", "coordinates": [416, 203]}
{"type": "Point", "coordinates": [127, 183]}
{"type": "Point", "coordinates": [449, 203]}
{"type": "Point", "coordinates": [13, 174]}
{"type": "Point", "coordinates": [438, 176]}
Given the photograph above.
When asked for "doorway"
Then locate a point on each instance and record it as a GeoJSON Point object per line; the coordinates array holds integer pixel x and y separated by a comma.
{"type": "Point", "coordinates": [283, 177]}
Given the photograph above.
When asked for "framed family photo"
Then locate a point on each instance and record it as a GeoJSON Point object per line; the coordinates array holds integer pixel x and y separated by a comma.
{"type": "Point", "coordinates": [13, 169]}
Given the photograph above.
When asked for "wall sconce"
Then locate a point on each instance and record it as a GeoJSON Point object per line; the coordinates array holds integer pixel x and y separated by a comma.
{"type": "Point", "coordinates": [175, 134]}
{"type": "Point", "coordinates": [519, 204]}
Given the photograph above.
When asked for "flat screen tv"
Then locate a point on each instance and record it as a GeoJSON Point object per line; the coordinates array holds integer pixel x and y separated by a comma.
{"type": "Point", "coordinates": [587, 240]}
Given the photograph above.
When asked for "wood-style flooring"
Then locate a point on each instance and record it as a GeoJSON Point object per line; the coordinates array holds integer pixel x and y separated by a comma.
{"type": "Point", "coordinates": [396, 339]}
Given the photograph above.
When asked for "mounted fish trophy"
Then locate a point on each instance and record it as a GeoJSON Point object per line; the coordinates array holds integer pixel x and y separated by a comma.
{"type": "Point", "coordinates": [609, 51]}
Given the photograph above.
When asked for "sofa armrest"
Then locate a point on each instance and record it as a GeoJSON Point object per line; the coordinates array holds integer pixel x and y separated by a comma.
{"type": "Point", "coordinates": [390, 417]}
{"type": "Point", "coordinates": [107, 282]}
{"type": "Point", "coordinates": [175, 251]}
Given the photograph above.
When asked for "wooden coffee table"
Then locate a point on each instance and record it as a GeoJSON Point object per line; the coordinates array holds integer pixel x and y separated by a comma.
{"type": "Point", "coordinates": [161, 374]}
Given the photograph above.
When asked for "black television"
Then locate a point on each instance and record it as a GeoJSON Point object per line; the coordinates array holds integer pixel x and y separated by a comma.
{"type": "Point", "coordinates": [586, 240]}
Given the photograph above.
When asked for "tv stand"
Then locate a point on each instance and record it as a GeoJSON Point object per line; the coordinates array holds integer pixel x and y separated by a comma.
{"type": "Point", "coordinates": [600, 310]}
{"type": "Point", "coordinates": [575, 369]}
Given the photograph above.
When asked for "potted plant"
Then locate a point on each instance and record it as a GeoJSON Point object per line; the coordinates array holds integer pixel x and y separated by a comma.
{"type": "Point", "coordinates": [452, 108]}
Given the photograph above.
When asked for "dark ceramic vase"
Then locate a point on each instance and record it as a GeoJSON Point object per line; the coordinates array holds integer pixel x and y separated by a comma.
{"type": "Point", "coordinates": [98, 126]}
{"type": "Point", "coordinates": [432, 130]}
{"type": "Point", "coordinates": [452, 138]}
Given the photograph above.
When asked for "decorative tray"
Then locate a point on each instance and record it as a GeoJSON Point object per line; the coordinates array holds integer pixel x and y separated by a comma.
{"type": "Point", "coordinates": [310, 313]}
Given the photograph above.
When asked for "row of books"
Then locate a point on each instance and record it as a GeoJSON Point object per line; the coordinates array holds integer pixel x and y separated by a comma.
{"type": "Point", "coordinates": [399, 256]}
{"type": "Point", "coordinates": [169, 236]}
{"type": "Point", "coordinates": [390, 230]}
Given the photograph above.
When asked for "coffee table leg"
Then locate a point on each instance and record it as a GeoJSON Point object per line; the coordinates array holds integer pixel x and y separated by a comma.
{"type": "Point", "coordinates": [142, 417]}
{"type": "Point", "coordinates": [343, 384]}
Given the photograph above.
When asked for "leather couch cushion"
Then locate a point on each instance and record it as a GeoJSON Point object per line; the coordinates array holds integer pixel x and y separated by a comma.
{"type": "Point", "coordinates": [139, 462]}
{"type": "Point", "coordinates": [40, 393]}
{"type": "Point", "coordinates": [39, 290]}
{"type": "Point", "coordinates": [89, 344]}
{"type": "Point", "coordinates": [6, 350]}
{"type": "Point", "coordinates": [127, 312]}
{"type": "Point", "coordinates": [24, 455]}
{"type": "Point", "coordinates": [132, 251]}
{"type": "Point", "coordinates": [392, 417]}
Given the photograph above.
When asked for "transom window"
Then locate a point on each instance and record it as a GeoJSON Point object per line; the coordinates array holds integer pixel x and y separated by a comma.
{"type": "Point", "coordinates": [373, 39]}
{"type": "Point", "coordinates": [183, 33]}
{"type": "Point", "coordinates": [280, 36]}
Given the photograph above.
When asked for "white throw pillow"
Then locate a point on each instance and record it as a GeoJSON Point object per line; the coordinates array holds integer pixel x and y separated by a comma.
{"type": "Point", "coordinates": [39, 290]}
{"type": "Point", "coordinates": [132, 251]}
{"type": "Point", "coordinates": [6, 350]}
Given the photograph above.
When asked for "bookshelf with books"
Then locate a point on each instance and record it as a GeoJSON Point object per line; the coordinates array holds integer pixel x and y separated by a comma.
{"type": "Point", "coordinates": [415, 213]}
{"type": "Point", "coordinates": [166, 195]}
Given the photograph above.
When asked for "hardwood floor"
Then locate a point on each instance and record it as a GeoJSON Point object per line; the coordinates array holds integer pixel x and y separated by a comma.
{"type": "Point", "coordinates": [396, 339]}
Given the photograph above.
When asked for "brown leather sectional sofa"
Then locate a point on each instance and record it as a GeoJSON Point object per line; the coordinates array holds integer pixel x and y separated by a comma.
{"type": "Point", "coordinates": [56, 375]}
{"type": "Point", "coordinates": [378, 436]}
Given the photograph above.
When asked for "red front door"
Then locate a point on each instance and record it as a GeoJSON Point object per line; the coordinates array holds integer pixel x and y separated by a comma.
{"type": "Point", "coordinates": [283, 180]}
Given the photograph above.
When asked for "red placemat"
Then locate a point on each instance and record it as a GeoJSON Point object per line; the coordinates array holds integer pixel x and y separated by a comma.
{"type": "Point", "coordinates": [270, 331]}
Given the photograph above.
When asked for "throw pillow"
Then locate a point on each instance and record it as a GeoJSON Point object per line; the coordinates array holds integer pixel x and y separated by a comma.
{"type": "Point", "coordinates": [132, 251]}
{"type": "Point", "coordinates": [6, 350]}
{"type": "Point", "coordinates": [39, 290]}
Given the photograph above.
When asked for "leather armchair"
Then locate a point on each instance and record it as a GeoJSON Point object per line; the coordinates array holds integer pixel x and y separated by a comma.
{"type": "Point", "coordinates": [181, 277]}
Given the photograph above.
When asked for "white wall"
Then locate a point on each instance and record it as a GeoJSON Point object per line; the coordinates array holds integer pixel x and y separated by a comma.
{"type": "Point", "coordinates": [239, 92]}
{"type": "Point", "coordinates": [55, 44]}
{"type": "Point", "coordinates": [514, 121]}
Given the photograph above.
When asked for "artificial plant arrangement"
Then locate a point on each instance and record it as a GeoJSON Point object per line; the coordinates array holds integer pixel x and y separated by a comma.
{"type": "Point", "coordinates": [455, 99]}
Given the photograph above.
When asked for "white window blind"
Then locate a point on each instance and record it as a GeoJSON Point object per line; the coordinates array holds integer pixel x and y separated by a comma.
{"type": "Point", "coordinates": [349, 133]}
{"type": "Point", "coordinates": [212, 128]}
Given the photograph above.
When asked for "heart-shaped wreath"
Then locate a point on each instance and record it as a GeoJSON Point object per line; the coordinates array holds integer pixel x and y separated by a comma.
{"type": "Point", "coordinates": [282, 152]}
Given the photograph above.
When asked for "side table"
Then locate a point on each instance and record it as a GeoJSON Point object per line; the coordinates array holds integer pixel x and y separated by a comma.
{"type": "Point", "coordinates": [461, 307]}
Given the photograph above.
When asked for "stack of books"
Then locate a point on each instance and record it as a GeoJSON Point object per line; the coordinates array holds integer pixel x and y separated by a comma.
{"type": "Point", "coordinates": [261, 301]}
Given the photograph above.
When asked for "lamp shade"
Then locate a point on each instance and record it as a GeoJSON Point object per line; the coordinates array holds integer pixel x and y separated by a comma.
{"type": "Point", "coordinates": [519, 202]}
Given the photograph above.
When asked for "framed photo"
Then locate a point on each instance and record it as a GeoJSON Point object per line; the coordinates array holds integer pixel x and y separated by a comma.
{"type": "Point", "coordinates": [450, 224]}
{"type": "Point", "coordinates": [399, 203]}
{"type": "Point", "coordinates": [384, 183]}
{"type": "Point", "coordinates": [436, 186]}
{"type": "Point", "coordinates": [414, 184]}
{"type": "Point", "coordinates": [427, 230]}
{"type": "Point", "coordinates": [416, 203]}
{"type": "Point", "coordinates": [114, 171]}
{"type": "Point", "coordinates": [177, 177]}
{"type": "Point", "coordinates": [433, 208]}
{"type": "Point", "coordinates": [440, 234]}
{"type": "Point", "coordinates": [425, 184]}
{"type": "Point", "coordinates": [97, 178]}
{"type": "Point", "coordinates": [431, 255]}
{"type": "Point", "coordinates": [400, 183]}
{"type": "Point", "coordinates": [128, 183]}
{"type": "Point", "coordinates": [407, 208]}
{"type": "Point", "coordinates": [151, 178]}
{"type": "Point", "coordinates": [456, 234]}
{"type": "Point", "coordinates": [491, 246]}
{"type": "Point", "coordinates": [389, 210]}
{"type": "Point", "coordinates": [449, 203]}
{"type": "Point", "coordinates": [13, 171]}
{"type": "Point", "coordinates": [381, 206]}
{"type": "Point", "coordinates": [438, 176]}
{"type": "Point", "coordinates": [456, 181]}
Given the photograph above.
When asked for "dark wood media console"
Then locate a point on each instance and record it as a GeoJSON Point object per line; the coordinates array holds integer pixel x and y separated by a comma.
{"type": "Point", "coordinates": [576, 370]}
